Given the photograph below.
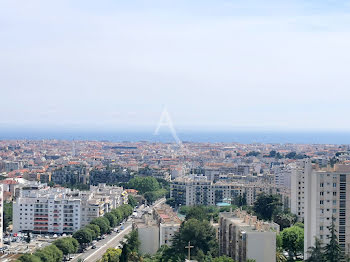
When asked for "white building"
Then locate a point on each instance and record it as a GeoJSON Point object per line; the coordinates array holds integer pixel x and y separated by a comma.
{"type": "Point", "coordinates": [242, 237]}
{"type": "Point", "coordinates": [189, 192]}
{"type": "Point", "coordinates": [59, 210]}
{"type": "Point", "coordinates": [326, 196]}
{"type": "Point", "coordinates": [299, 170]}
{"type": "Point", "coordinates": [157, 230]}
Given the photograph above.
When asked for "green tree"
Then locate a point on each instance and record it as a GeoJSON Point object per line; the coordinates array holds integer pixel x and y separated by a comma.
{"type": "Point", "coordinates": [279, 241]}
{"type": "Point", "coordinates": [94, 228]}
{"type": "Point", "coordinates": [197, 212]}
{"type": "Point", "coordinates": [333, 252]}
{"type": "Point", "coordinates": [293, 240]}
{"type": "Point", "coordinates": [280, 257]}
{"type": "Point", "coordinates": [67, 245]}
{"type": "Point", "coordinates": [111, 255]}
{"type": "Point", "coordinates": [102, 224]}
{"type": "Point", "coordinates": [240, 200]}
{"type": "Point", "coordinates": [266, 206]}
{"type": "Point", "coordinates": [83, 236]}
{"type": "Point", "coordinates": [285, 219]}
{"type": "Point", "coordinates": [7, 214]}
{"type": "Point", "coordinates": [201, 235]}
{"type": "Point", "coordinates": [28, 258]}
{"type": "Point", "coordinates": [112, 219]}
{"type": "Point", "coordinates": [130, 247]}
{"type": "Point", "coordinates": [144, 184]}
{"type": "Point", "coordinates": [49, 254]}
{"type": "Point", "coordinates": [315, 253]}
{"type": "Point", "coordinates": [132, 201]}
{"type": "Point", "coordinates": [223, 259]}
{"type": "Point", "coordinates": [152, 196]}
{"type": "Point", "coordinates": [118, 214]}
{"type": "Point", "coordinates": [126, 210]}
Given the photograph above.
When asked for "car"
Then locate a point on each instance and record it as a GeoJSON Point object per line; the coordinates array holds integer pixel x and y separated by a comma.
{"type": "Point", "coordinates": [93, 247]}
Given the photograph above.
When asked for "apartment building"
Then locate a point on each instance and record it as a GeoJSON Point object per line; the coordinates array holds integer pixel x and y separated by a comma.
{"type": "Point", "coordinates": [59, 210]}
{"type": "Point", "coordinates": [157, 229]}
{"type": "Point", "coordinates": [168, 222]}
{"type": "Point", "coordinates": [300, 170]}
{"type": "Point", "coordinates": [242, 237]}
{"type": "Point", "coordinates": [187, 191]}
{"type": "Point", "coordinates": [326, 197]}
{"type": "Point", "coordinates": [282, 176]}
{"type": "Point", "coordinates": [74, 173]}
{"type": "Point", "coordinates": [43, 212]}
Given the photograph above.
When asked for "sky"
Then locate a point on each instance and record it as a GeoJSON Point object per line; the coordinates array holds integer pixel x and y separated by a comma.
{"type": "Point", "coordinates": [214, 65]}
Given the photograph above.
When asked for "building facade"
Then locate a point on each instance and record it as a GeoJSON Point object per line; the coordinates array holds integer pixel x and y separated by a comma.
{"type": "Point", "coordinates": [42, 209]}
{"type": "Point", "coordinates": [327, 197]}
{"type": "Point", "coordinates": [242, 237]}
{"type": "Point", "coordinates": [187, 191]}
{"type": "Point", "coordinates": [157, 229]}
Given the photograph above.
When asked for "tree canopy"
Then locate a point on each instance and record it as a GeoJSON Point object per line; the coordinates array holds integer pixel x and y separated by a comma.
{"type": "Point", "coordinates": [67, 245]}
{"type": "Point", "coordinates": [293, 240]}
{"type": "Point", "coordinates": [266, 206]}
{"type": "Point", "coordinates": [201, 235]}
{"type": "Point", "coordinates": [83, 236]}
{"type": "Point", "coordinates": [111, 255]}
{"type": "Point", "coordinates": [144, 184]}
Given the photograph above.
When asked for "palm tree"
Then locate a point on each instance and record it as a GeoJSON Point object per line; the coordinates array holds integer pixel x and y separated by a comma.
{"type": "Point", "coordinates": [280, 257]}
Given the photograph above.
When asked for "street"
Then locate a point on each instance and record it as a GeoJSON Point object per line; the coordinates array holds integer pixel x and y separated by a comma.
{"type": "Point", "coordinates": [111, 241]}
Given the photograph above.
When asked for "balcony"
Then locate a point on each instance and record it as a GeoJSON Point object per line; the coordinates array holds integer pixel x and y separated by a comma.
{"type": "Point", "coordinates": [40, 229]}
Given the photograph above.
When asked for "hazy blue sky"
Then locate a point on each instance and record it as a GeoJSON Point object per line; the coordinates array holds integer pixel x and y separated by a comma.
{"type": "Point", "coordinates": [214, 64]}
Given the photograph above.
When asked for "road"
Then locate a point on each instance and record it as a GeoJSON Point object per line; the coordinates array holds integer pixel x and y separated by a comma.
{"type": "Point", "coordinates": [112, 241]}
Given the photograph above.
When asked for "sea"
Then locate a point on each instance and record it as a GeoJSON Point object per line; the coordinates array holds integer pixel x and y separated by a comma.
{"type": "Point", "coordinates": [244, 137]}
